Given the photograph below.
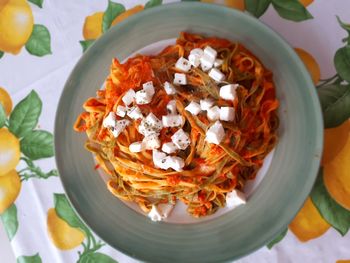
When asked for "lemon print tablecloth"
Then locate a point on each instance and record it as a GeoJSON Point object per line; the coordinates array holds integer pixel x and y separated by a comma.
{"type": "Point", "coordinates": [40, 42]}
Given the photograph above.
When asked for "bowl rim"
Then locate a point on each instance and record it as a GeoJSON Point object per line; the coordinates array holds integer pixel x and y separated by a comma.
{"type": "Point", "coordinates": [314, 166]}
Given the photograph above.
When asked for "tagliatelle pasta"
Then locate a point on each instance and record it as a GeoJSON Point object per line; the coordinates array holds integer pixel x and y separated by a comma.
{"type": "Point", "coordinates": [207, 170]}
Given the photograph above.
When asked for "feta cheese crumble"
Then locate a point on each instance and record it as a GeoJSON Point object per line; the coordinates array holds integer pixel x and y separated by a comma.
{"type": "Point", "coordinates": [136, 147]}
{"type": "Point", "coordinates": [169, 88]}
{"type": "Point", "coordinates": [180, 79]}
{"type": "Point", "coordinates": [227, 113]}
{"type": "Point", "coordinates": [213, 113]}
{"type": "Point", "coordinates": [183, 64]}
{"type": "Point", "coordinates": [110, 120]}
{"type": "Point", "coordinates": [235, 199]}
{"type": "Point", "coordinates": [228, 92]}
{"type": "Point", "coordinates": [216, 75]}
{"type": "Point", "coordinates": [215, 133]}
{"type": "Point", "coordinates": [194, 108]}
{"type": "Point", "coordinates": [181, 139]}
{"type": "Point", "coordinates": [172, 120]}
{"type": "Point", "coordinates": [129, 97]}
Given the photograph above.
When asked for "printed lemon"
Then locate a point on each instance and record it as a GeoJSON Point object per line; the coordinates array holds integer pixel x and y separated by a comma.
{"type": "Point", "coordinates": [93, 26]}
{"type": "Point", "coordinates": [3, 3]}
{"type": "Point", "coordinates": [308, 223]}
{"type": "Point", "coordinates": [63, 235]}
{"type": "Point", "coordinates": [10, 186]}
{"type": "Point", "coordinates": [310, 64]}
{"type": "Point", "coordinates": [336, 175]}
{"type": "Point", "coordinates": [132, 11]}
{"type": "Point", "coordinates": [16, 25]}
{"type": "Point", "coordinates": [334, 141]}
{"type": "Point", "coordinates": [237, 4]}
{"type": "Point", "coordinates": [343, 261]}
{"type": "Point", "coordinates": [306, 2]}
{"type": "Point", "coordinates": [5, 100]}
{"type": "Point", "coordinates": [9, 151]}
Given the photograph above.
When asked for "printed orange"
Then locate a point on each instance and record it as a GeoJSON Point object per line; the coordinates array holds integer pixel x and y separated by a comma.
{"type": "Point", "coordinates": [10, 186]}
{"type": "Point", "coordinates": [308, 223]}
{"type": "Point", "coordinates": [336, 175]}
{"type": "Point", "coordinates": [63, 235]}
{"type": "Point", "coordinates": [310, 63]}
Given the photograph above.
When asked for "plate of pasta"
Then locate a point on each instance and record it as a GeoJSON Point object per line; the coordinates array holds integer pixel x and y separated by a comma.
{"type": "Point", "coordinates": [183, 140]}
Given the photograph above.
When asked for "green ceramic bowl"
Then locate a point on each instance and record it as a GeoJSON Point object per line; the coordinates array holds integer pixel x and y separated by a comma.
{"type": "Point", "coordinates": [280, 194]}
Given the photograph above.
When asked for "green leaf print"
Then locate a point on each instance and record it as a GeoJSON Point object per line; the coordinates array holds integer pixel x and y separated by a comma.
{"type": "Point", "coordinates": [331, 211]}
{"type": "Point", "coordinates": [153, 3]}
{"type": "Point", "coordinates": [291, 10]}
{"type": "Point", "coordinates": [257, 7]}
{"type": "Point", "coordinates": [342, 63]}
{"type": "Point", "coordinates": [335, 104]}
{"type": "Point", "coordinates": [345, 27]}
{"type": "Point", "coordinates": [29, 259]}
{"type": "Point", "coordinates": [113, 10]}
{"type": "Point", "coordinates": [66, 212]}
{"type": "Point", "coordinates": [85, 44]}
{"type": "Point", "coordinates": [2, 116]}
{"type": "Point", "coordinates": [277, 239]}
{"type": "Point", "coordinates": [38, 3]}
{"type": "Point", "coordinates": [10, 222]}
{"type": "Point", "coordinates": [1, 54]}
{"type": "Point", "coordinates": [39, 43]}
{"type": "Point", "coordinates": [37, 144]}
{"type": "Point", "coordinates": [25, 115]}
{"type": "Point", "coordinates": [96, 258]}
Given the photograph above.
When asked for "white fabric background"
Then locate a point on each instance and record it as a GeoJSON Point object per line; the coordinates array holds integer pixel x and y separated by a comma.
{"type": "Point", "coordinates": [47, 75]}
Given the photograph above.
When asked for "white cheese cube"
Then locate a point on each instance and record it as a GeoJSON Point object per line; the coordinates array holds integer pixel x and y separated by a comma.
{"type": "Point", "coordinates": [169, 147]}
{"type": "Point", "coordinates": [160, 159]}
{"type": "Point", "coordinates": [194, 108]}
{"type": "Point", "coordinates": [121, 111]}
{"type": "Point", "coordinates": [119, 127]}
{"type": "Point", "coordinates": [197, 51]}
{"type": "Point", "coordinates": [135, 113]}
{"type": "Point", "coordinates": [172, 120]}
{"type": "Point", "coordinates": [154, 122]}
{"type": "Point", "coordinates": [213, 113]}
{"type": "Point", "coordinates": [154, 214]}
{"type": "Point", "coordinates": [151, 142]}
{"type": "Point", "coordinates": [175, 163]}
{"type": "Point", "coordinates": [183, 64]}
{"type": "Point", "coordinates": [215, 133]}
{"type": "Point", "coordinates": [227, 113]}
{"type": "Point", "coordinates": [216, 75]}
{"type": "Point", "coordinates": [211, 52]}
{"type": "Point", "coordinates": [218, 62]}
{"type": "Point", "coordinates": [228, 92]}
{"type": "Point", "coordinates": [195, 60]}
{"type": "Point", "coordinates": [235, 198]}
{"type": "Point", "coordinates": [136, 147]}
{"type": "Point", "coordinates": [206, 104]}
{"type": "Point", "coordinates": [180, 79]}
{"type": "Point", "coordinates": [143, 97]}
{"type": "Point", "coordinates": [150, 125]}
{"type": "Point", "coordinates": [171, 107]}
{"type": "Point", "coordinates": [145, 129]}
{"type": "Point", "coordinates": [129, 96]}
{"type": "Point", "coordinates": [110, 120]}
{"type": "Point", "coordinates": [149, 88]}
{"type": "Point", "coordinates": [181, 139]}
{"type": "Point", "coordinates": [169, 88]}
{"type": "Point", "coordinates": [206, 62]}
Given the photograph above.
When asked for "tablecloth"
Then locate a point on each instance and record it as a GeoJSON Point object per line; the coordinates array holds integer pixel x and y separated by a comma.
{"type": "Point", "coordinates": [33, 207]}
